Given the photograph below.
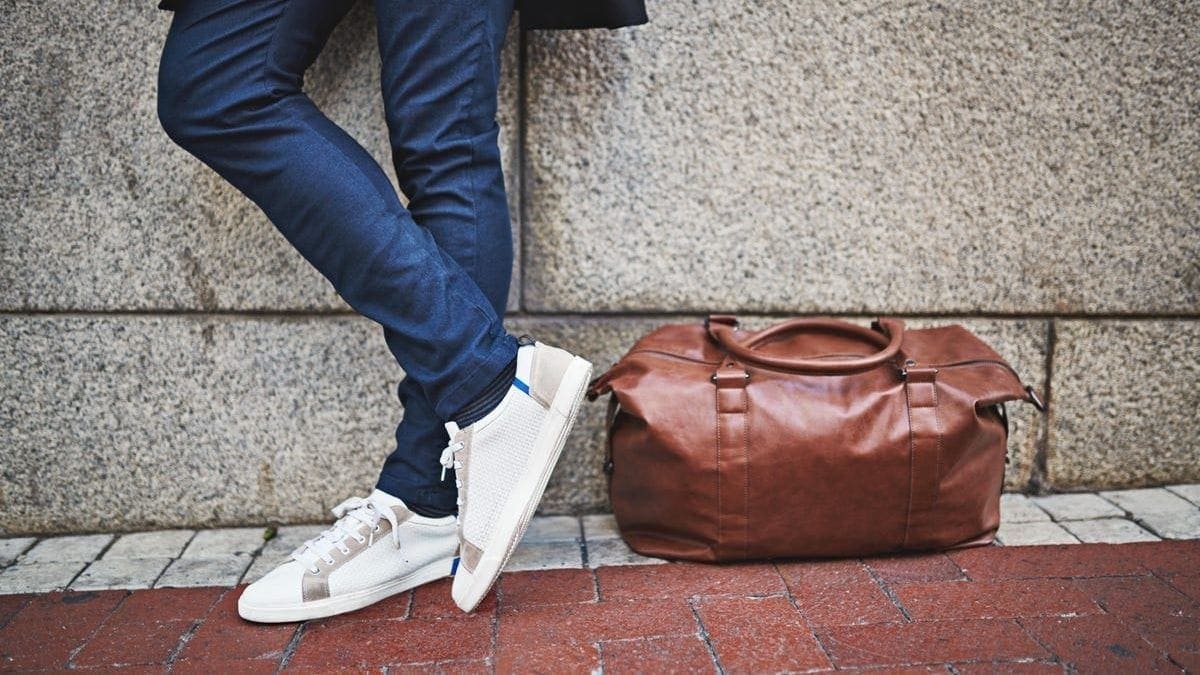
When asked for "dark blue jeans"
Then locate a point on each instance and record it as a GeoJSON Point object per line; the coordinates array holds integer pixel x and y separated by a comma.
{"type": "Point", "coordinates": [435, 275]}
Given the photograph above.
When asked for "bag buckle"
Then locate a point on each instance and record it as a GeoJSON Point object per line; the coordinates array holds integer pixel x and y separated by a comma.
{"type": "Point", "coordinates": [1035, 399]}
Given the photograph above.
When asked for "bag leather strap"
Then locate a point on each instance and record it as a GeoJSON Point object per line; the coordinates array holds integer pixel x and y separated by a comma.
{"type": "Point", "coordinates": [887, 339]}
{"type": "Point", "coordinates": [925, 451]}
{"type": "Point", "coordinates": [733, 460]}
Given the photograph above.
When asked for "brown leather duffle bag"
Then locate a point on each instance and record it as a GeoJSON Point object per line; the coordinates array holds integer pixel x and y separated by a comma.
{"type": "Point", "coordinates": [811, 438]}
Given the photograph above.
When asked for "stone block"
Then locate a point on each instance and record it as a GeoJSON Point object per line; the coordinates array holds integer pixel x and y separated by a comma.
{"type": "Point", "coordinates": [1034, 534]}
{"type": "Point", "coordinates": [126, 573]}
{"type": "Point", "coordinates": [289, 538]}
{"type": "Point", "coordinates": [158, 544]}
{"type": "Point", "coordinates": [1148, 501]}
{"type": "Point", "coordinates": [225, 570]}
{"type": "Point", "coordinates": [79, 548]}
{"type": "Point", "coordinates": [1083, 506]}
{"type": "Point", "coordinates": [1188, 492]}
{"type": "Point", "coordinates": [1124, 404]}
{"type": "Point", "coordinates": [38, 577]}
{"type": "Point", "coordinates": [11, 548]}
{"type": "Point", "coordinates": [227, 541]}
{"type": "Point", "coordinates": [609, 552]}
{"type": "Point", "coordinates": [195, 421]}
{"type": "Point", "coordinates": [103, 212]}
{"type": "Point", "coordinates": [785, 157]}
{"type": "Point", "coordinates": [1108, 531]}
{"type": "Point", "coordinates": [1017, 508]}
{"type": "Point", "coordinates": [1173, 524]}
{"type": "Point", "coordinates": [550, 555]}
{"type": "Point", "coordinates": [543, 529]}
{"type": "Point", "coordinates": [600, 526]}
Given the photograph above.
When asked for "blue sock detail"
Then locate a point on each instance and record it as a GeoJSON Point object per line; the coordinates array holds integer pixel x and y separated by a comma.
{"type": "Point", "coordinates": [521, 385]}
{"type": "Point", "coordinates": [454, 566]}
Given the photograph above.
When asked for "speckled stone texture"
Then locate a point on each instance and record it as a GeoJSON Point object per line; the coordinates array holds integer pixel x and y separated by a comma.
{"type": "Point", "coordinates": [102, 211]}
{"type": "Point", "coordinates": [1125, 403]}
{"type": "Point", "coordinates": [861, 157]}
{"type": "Point", "coordinates": [131, 422]}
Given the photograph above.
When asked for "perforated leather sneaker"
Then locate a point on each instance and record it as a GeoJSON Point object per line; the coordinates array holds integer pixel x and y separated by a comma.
{"type": "Point", "coordinates": [504, 460]}
{"type": "Point", "coordinates": [377, 548]}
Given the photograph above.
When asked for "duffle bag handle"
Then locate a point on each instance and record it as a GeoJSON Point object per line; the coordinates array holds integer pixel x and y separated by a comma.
{"type": "Point", "coordinates": [890, 333]}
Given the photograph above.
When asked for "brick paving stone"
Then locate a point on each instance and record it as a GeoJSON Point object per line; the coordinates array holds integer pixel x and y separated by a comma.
{"type": "Point", "coordinates": [1033, 534]}
{"type": "Point", "coordinates": [920, 567]}
{"type": "Point", "coordinates": [552, 528]}
{"type": "Point", "coordinates": [219, 665]}
{"type": "Point", "coordinates": [120, 573]}
{"type": "Point", "coordinates": [600, 526]}
{"type": "Point", "coordinates": [187, 572]}
{"type": "Point", "coordinates": [547, 587]}
{"type": "Point", "coordinates": [12, 547]}
{"type": "Point", "coordinates": [1146, 501]}
{"type": "Point", "coordinates": [1097, 643]}
{"type": "Point", "coordinates": [1071, 560]}
{"type": "Point", "coordinates": [1154, 609]}
{"type": "Point", "coordinates": [611, 552]}
{"type": "Point", "coordinates": [38, 577]}
{"type": "Point", "coordinates": [545, 556]}
{"type": "Point", "coordinates": [433, 601]}
{"type": "Point", "coordinates": [1188, 584]}
{"type": "Point", "coordinates": [1108, 531]}
{"type": "Point", "coordinates": [449, 667]}
{"type": "Point", "coordinates": [228, 541]}
{"type": "Point", "coordinates": [1006, 599]}
{"type": "Point", "coordinates": [1009, 668]}
{"type": "Point", "coordinates": [895, 644]}
{"type": "Point", "coordinates": [74, 548]}
{"type": "Point", "coordinates": [1173, 525]}
{"type": "Point", "coordinates": [168, 604]}
{"type": "Point", "coordinates": [1081, 506]}
{"type": "Point", "coordinates": [1017, 508]}
{"type": "Point", "coordinates": [48, 629]}
{"type": "Point", "coordinates": [662, 655]}
{"type": "Point", "coordinates": [1190, 492]}
{"type": "Point", "coordinates": [372, 644]}
{"type": "Point", "coordinates": [159, 544]}
{"type": "Point", "coordinates": [11, 604]}
{"type": "Point", "coordinates": [838, 593]}
{"type": "Point", "coordinates": [759, 634]}
{"type": "Point", "coordinates": [1166, 558]}
{"type": "Point", "coordinates": [563, 638]}
{"type": "Point", "coordinates": [686, 579]}
{"type": "Point", "coordinates": [119, 643]}
{"type": "Point", "coordinates": [223, 634]}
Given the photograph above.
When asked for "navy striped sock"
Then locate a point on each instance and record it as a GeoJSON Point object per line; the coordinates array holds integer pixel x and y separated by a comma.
{"type": "Point", "coordinates": [488, 399]}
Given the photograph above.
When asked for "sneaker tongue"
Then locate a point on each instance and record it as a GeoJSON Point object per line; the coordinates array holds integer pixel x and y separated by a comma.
{"type": "Point", "coordinates": [382, 498]}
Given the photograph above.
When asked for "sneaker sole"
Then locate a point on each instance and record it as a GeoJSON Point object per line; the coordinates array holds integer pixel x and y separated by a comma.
{"type": "Point", "coordinates": [471, 587]}
{"type": "Point", "coordinates": [318, 609]}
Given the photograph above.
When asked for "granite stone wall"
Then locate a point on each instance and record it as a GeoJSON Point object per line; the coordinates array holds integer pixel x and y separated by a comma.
{"type": "Point", "coordinates": [1030, 170]}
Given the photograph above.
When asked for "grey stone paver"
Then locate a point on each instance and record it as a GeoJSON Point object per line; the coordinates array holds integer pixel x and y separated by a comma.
{"type": "Point", "coordinates": [11, 548]}
{"type": "Point", "coordinates": [1082, 506]}
{"type": "Point", "coordinates": [74, 548]}
{"type": "Point", "coordinates": [126, 573]}
{"type": "Point", "coordinates": [1034, 534]}
{"type": "Point", "coordinates": [1146, 501]}
{"type": "Point", "coordinates": [1190, 492]}
{"type": "Point", "coordinates": [1108, 531]}
{"type": "Point", "coordinates": [288, 538]}
{"type": "Point", "coordinates": [1173, 524]}
{"type": "Point", "coordinates": [552, 528]}
{"type": "Point", "coordinates": [216, 571]}
{"type": "Point", "coordinates": [1017, 508]}
{"type": "Point", "coordinates": [161, 544]}
{"type": "Point", "coordinates": [600, 526]}
{"type": "Point", "coordinates": [605, 552]}
{"type": "Point", "coordinates": [545, 556]}
{"type": "Point", "coordinates": [226, 541]}
{"type": "Point", "coordinates": [38, 577]}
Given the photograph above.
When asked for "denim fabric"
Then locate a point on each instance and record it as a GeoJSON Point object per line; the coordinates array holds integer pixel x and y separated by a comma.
{"type": "Point", "coordinates": [435, 275]}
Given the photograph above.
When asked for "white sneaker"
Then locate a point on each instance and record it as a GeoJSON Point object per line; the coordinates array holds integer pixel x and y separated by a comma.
{"type": "Point", "coordinates": [504, 460]}
{"type": "Point", "coordinates": [376, 549]}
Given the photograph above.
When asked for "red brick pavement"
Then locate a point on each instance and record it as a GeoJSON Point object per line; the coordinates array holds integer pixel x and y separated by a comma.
{"type": "Point", "coordinates": [1093, 608]}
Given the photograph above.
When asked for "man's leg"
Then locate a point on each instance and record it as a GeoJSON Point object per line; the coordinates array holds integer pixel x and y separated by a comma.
{"type": "Point", "coordinates": [230, 93]}
{"type": "Point", "coordinates": [440, 75]}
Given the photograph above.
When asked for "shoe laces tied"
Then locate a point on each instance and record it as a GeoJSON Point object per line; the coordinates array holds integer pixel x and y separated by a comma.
{"type": "Point", "coordinates": [350, 514]}
{"type": "Point", "coordinates": [448, 459]}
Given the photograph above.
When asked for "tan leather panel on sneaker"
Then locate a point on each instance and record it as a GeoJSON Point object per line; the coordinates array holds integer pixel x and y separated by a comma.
{"type": "Point", "coordinates": [546, 374]}
{"type": "Point", "coordinates": [463, 457]}
{"type": "Point", "coordinates": [469, 555]}
{"type": "Point", "coordinates": [316, 586]}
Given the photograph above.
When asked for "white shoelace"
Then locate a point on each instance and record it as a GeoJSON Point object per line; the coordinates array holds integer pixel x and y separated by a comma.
{"type": "Point", "coordinates": [449, 460]}
{"type": "Point", "coordinates": [350, 514]}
